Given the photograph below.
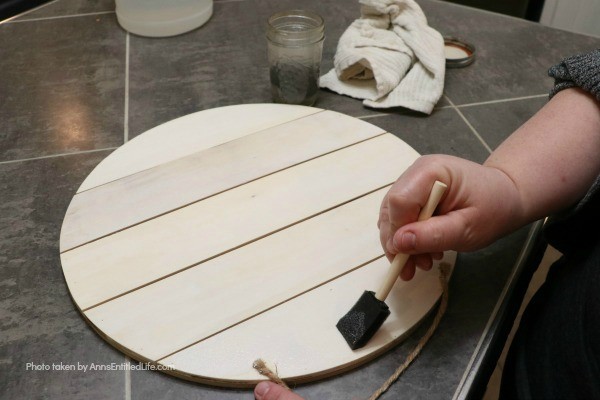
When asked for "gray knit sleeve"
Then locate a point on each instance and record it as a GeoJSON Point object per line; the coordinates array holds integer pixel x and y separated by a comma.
{"type": "Point", "coordinates": [582, 70]}
{"type": "Point", "coordinates": [565, 230]}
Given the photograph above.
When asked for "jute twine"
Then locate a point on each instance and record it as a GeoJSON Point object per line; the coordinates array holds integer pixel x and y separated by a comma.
{"type": "Point", "coordinates": [262, 369]}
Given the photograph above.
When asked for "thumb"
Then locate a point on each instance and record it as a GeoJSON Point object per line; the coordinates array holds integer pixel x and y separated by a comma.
{"type": "Point", "coordinates": [437, 234]}
{"type": "Point", "coordinates": [266, 390]}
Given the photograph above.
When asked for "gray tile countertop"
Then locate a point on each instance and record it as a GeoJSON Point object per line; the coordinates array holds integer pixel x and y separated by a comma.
{"type": "Point", "coordinates": [74, 86]}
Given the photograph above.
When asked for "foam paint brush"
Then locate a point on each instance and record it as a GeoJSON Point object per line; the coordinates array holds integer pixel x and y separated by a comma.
{"type": "Point", "coordinates": [370, 311]}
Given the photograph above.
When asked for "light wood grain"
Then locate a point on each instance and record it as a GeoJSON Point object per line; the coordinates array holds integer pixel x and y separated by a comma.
{"type": "Point", "coordinates": [191, 133]}
{"type": "Point", "coordinates": [238, 233]}
{"type": "Point", "coordinates": [101, 270]}
{"type": "Point", "coordinates": [155, 191]}
{"type": "Point", "coordinates": [300, 336]}
{"type": "Point", "coordinates": [187, 307]}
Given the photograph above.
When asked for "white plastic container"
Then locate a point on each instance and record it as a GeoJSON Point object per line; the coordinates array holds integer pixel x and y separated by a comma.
{"type": "Point", "coordinates": [159, 18]}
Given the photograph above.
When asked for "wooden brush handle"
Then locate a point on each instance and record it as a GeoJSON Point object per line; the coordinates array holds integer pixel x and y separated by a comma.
{"type": "Point", "coordinates": [437, 191]}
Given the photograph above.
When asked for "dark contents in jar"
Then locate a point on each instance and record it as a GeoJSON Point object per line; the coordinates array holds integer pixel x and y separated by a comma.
{"type": "Point", "coordinates": [294, 83]}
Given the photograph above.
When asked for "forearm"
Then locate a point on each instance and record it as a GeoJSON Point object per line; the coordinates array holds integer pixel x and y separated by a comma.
{"type": "Point", "coordinates": [554, 158]}
{"type": "Point", "coordinates": [545, 166]}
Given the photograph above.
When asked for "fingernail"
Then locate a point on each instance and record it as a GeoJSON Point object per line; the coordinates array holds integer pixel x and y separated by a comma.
{"type": "Point", "coordinates": [262, 389]}
{"type": "Point", "coordinates": [390, 245]}
{"type": "Point", "coordinates": [409, 241]}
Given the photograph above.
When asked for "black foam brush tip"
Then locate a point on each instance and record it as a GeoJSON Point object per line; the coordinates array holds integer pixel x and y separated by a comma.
{"type": "Point", "coordinates": [363, 320]}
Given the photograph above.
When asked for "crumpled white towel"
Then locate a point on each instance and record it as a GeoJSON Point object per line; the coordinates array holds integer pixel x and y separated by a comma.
{"type": "Point", "coordinates": [389, 57]}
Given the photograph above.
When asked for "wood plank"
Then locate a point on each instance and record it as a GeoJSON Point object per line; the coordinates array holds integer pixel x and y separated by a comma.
{"type": "Point", "coordinates": [135, 198]}
{"type": "Point", "coordinates": [191, 133]}
{"type": "Point", "coordinates": [299, 337]}
{"type": "Point", "coordinates": [126, 260]}
{"type": "Point", "coordinates": [182, 309]}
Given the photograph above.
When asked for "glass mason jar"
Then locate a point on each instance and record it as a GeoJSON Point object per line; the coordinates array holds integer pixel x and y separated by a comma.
{"type": "Point", "coordinates": [295, 44]}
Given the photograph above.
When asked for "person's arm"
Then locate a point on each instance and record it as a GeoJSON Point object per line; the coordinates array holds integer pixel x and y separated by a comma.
{"type": "Point", "coordinates": [555, 157]}
{"type": "Point", "coordinates": [548, 164]}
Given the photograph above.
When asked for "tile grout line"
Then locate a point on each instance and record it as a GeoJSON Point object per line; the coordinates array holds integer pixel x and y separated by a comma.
{"type": "Point", "coordinates": [453, 106]}
{"type": "Point", "coordinates": [126, 106]}
{"type": "Point", "coordinates": [14, 19]}
{"type": "Point", "coordinates": [125, 140]}
{"type": "Point", "coordinates": [27, 12]}
{"type": "Point", "coordinates": [57, 155]}
{"type": "Point", "coordinates": [58, 17]}
{"type": "Point", "coordinates": [128, 378]}
{"type": "Point", "coordinates": [126, 112]}
{"type": "Point", "coordinates": [373, 116]}
{"type": "Point", "coordinates": [477, 135]}
{"type": "Point", "coordinates": [482, 103]}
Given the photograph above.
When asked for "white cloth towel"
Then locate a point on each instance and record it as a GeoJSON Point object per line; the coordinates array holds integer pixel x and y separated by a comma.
{"type": "Point", "coordinates": [389, 57]}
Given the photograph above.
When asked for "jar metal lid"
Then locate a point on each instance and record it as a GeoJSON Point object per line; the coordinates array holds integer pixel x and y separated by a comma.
{"type": "Point", "coordinates": [458, 53]}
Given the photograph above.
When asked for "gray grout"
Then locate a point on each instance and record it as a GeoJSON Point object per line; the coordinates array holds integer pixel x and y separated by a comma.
{"type": "Point", "coordinates": [13, 19]}
{"type": "Point", "coordinates": [477, 135]}
{"type": "Point", "coordinates": [127, 379]}
{"type": "Point", "coordinates": [58, 155]}
{"type": "Point", "coordinates": [373, 116]}
{"type": "Point", "coordinates": [125, 140]}
{"type": "Point", "coordinates": [126, 112]}
{"type": "Point", "coordinates": [27, 12]}
{"type": "Point", "coordinates": [482, 103]}
{"type": "Point", "coordinates": [126, 106]}
{"type": "Point", "coordinates": [453, 106]}
{"type": "Point", "coordinates": [58, 17]}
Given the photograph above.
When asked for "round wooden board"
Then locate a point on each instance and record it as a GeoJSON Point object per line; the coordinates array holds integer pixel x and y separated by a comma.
{"type": "Point", "coordinates": [239, 233]}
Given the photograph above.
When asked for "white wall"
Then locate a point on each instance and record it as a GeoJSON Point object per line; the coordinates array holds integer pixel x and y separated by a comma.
{"type": "Point", "coordinates": [582, 16]}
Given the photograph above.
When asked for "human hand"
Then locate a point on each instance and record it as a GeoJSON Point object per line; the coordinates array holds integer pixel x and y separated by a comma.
{"type": "Point", "coordinates": [480, 205]}
{"type": "Point", "coordinates": [266, 390]}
